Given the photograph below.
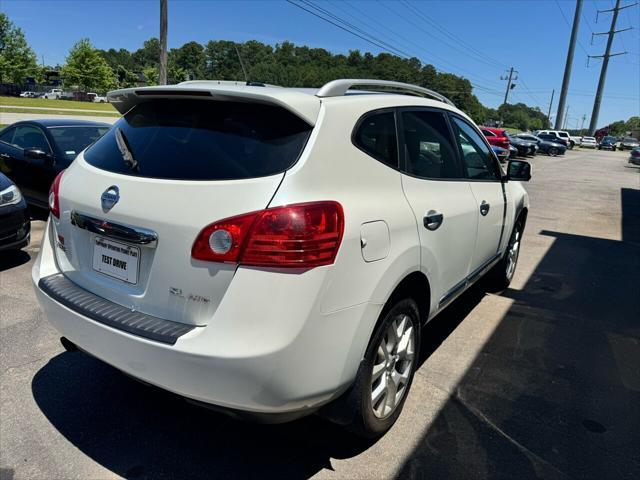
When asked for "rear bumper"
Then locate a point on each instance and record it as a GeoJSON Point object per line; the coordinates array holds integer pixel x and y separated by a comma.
{"type": "Point", "coordinates": [257, 356]}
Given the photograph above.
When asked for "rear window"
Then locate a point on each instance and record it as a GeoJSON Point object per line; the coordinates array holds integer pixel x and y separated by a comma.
{"type": "Point", "coordinates": [201, 140]}
{"type": "Point", "coordinates": [73, 139]}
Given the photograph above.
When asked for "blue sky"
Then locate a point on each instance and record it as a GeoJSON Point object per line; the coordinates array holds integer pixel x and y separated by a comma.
{"type": "Point", "coordinates": [531, 36]}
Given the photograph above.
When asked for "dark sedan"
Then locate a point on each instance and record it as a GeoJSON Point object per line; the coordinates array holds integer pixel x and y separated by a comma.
{"type": "Point", "coordinates": [608, 143]}
{"type": "Point", "coordinates": [524, 147]}
{"type": "Point", "coordinates": [15, 226]}
{"type": "Point", "coordinates": [546, 143]}
{"type": "Point", "coordinates": [32, 153]}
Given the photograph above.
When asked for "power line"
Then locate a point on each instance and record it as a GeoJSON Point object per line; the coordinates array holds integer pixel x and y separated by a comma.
{"type": "Point", "coordinates": [348, 27]}
{"type": "Point", "coordinates": [569, 25]}
{"type": "Point", "coordinates": [478, 55]}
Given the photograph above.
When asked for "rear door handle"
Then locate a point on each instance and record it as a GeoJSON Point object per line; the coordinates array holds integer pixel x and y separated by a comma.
{"type": "Point", "coordinates": [5, 156]}
{"type": "Point", "coordinates": [484, 208]}
{"type": "Point", "coordinates": [432, 220]}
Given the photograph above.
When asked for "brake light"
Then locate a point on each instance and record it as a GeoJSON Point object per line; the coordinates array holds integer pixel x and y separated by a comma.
{"type": "Point", "coordinates": [54, 196]}
{"type": "Point", "coordinates": [304, 235]}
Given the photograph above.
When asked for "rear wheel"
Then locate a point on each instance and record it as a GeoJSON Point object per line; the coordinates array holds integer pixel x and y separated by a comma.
{"type": "Point", "coordinates": [571, 145]}
{"type": "Point", "coordinates": [374, 402]}
{"type": "Point", "coordinates": [553, 151]}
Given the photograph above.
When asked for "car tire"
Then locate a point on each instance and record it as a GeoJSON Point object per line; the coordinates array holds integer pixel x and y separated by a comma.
{"type": "Point", "coordinates": [553, 152]}
{"type": "Point", "coordinates": [571, 145]}
{"type": "Point", "coordinates": [500, 276]}
{"type": "Point", "coordinates": [366, 409]}
{"type": "Point", "coordinates": [613, 149]}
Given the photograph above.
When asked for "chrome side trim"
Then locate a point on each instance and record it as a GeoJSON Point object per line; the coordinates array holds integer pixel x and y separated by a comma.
{"type": "Point", "coordinates": [473, 277]}
{"type": "Point", "coordinates": [125, 233]}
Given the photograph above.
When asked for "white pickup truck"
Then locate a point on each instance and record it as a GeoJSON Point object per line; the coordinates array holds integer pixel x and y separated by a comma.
{"type": "Point", "coordinates": [58, 94]}
{"type": "Point", "coordinates": [95, 98]}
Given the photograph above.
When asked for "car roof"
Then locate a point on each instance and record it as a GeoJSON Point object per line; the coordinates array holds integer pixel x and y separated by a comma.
{"type": "Point", "coordinates": [55, 122]}
{"type": "Point", "coordinates": [304, 102]}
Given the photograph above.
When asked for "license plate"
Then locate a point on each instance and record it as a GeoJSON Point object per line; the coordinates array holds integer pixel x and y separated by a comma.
{"type": "Point", "coordinates": [116, 259]}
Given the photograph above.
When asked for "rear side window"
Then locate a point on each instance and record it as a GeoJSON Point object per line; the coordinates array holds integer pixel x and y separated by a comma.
{"type": "Point", "coordinates": [201, 140]}
{"type": "Point", "coordinates": [376, 136]}
{"type": "Point", "coordinates": [428, 145]}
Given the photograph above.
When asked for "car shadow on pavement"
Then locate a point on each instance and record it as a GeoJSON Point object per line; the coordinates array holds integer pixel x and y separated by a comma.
{"type": "Point", "coordinates": [139, 431]}
{"type": "Point", "coordinates": [554, 392]}
{"type": "Point", "coordinates": [13, 258]}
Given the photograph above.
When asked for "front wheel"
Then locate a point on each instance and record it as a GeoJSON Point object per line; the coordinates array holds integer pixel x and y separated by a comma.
{"type": "Point", "coordinates": [374, 402]}
{"type": "Point", "coordinates": [502, 273]}
{"type": "Point", "coordinates": [571, 145]}
{"type": "Point", "coordinates": [553, 152]}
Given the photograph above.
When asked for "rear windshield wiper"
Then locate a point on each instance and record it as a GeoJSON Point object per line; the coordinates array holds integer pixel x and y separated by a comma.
{"type": "Point", "coordinates": [125, 150]}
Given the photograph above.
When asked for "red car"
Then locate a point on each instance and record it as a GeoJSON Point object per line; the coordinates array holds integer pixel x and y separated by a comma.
{"type": "Point", "coordinates": [496, 136]}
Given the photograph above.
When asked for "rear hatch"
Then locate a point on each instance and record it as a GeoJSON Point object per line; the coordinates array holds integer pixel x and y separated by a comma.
{"type": "Point", "coordinates": [134, 202]}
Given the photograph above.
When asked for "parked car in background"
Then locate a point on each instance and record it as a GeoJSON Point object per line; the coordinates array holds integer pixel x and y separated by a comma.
{"type": "Point", "coordinates": [629, 143]}
{"type": "Point", "coordinates": [525, 147]}
{"type": "Point", "coordinates": [545, 145]}
{"type": "Point", "coordinates": [557, 136]}
{"type": "Point", "coordinates": [58, 94]}
{"type": "Point", "coordinates": [28, 94]}
{"type": "Point", "coordinates": [502, 153]}
{"type": "Point", "coordinates": [558, 146]}
{"type": "Point", "coordinates": [634, 156]}
{"type": "Point", "coordinates": [33, 152]}
{"type": "Point", "coordinates": [577, 140]}
{"type": "Point", "coordinates": [496, 136]}
{"type": "Point", "coordinates": [220, 242]}
{"type": "Point", "coordinates": [15, 223]}
{"type": "Point", "coordinates": [589, 142]}
{"type": "Point", "coordinates": [95, 98]}
{"type": "Point", "coordinates": [513, 151]}
{"type": "Point", "coordinates": [608, 143]}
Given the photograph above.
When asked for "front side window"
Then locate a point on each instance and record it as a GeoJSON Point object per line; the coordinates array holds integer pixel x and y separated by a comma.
{"type": "Point", "coordinates": [201, 140]}
{"type": "Point", "coordinates": [478, 159]}
{"type": "Point", "coordinates": [376, 136]}
{"type": "Point", "coordinates": [428, 145]}
{"type": "Point", "coordinates": [28, 137]}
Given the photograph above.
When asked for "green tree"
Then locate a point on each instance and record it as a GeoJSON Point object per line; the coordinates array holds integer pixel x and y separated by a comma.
{"type": "Point", "coordinates": [87, 69]}
{"type": "Point", "coordinates": [17, 60]}
{"type": "Point", "coordinates": [190, 58]}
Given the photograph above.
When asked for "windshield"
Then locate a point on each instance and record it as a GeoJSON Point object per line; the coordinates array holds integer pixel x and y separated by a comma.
{"type": "Point", "coordinates": [73, 139]}
{"type": "Point", "coordinates": [609, 139]}
{"type": "Point", "coordinates": [201, 140]}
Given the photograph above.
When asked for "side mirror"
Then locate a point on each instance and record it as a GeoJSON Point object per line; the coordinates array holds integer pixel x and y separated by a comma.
{"type": "Point", "coordinates": [37, 154]}
{"type": "Point", "coordinates": [519, 170]}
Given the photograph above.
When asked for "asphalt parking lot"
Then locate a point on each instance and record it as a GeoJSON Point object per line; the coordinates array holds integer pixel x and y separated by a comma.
{"type": "Point", "coordinates": [541, 381]}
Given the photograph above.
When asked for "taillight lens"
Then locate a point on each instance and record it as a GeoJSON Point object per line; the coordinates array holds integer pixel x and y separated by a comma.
{"type": "Point", "coordinates": [303, 235]}
{"type": "Point", "coordinates": [54, 196]}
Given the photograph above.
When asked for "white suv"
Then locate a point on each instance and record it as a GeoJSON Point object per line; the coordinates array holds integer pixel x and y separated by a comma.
{"type": "Point", "coordinates": [272, 252]}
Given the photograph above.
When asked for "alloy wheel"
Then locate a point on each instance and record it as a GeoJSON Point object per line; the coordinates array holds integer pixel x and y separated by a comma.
{"type": "Point", "coordinates": [392, 366]}
{"type": "Point", "coordinates": [512, 253]}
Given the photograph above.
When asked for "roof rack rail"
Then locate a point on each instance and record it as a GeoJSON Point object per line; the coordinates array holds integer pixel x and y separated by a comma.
{"type": "Point", "coordinates": [337, 88]}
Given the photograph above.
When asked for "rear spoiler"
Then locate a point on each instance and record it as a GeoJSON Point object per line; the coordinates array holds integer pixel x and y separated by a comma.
{"type": "Point", "coordinates": [303, 105]}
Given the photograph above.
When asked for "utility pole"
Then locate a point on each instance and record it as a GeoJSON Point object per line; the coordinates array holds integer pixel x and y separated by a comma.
{"type": "Point", "coordinates": [566, 117]}
{"type": "Point", "coordinates": [550, 103]}
{"type": "Point", "coordinates": [569, 64]}
{"type": "Point", "coordinates": [510, 85]}
{"type": "Point", "coordinates": [584, 117]}
{"type": "Point", "coordinates": [593, 124]}
{"type": "Point", "coordinates": [163, 43]}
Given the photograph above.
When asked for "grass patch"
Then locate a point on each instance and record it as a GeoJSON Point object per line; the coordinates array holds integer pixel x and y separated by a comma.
{"type": "Point", "coordinates": [54, 104]}
{"type": "Point", "coordinates": [59, 112]}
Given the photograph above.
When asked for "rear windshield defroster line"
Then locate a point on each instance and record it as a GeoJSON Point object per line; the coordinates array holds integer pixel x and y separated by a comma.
{"type": "Point", "coordinates": [202, 140]}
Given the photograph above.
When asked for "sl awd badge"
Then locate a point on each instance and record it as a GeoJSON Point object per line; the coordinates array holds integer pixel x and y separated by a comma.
{"type": "Point", "coordinates": [109, 198]}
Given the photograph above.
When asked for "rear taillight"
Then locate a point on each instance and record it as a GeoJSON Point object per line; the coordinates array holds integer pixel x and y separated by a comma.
{"type": "Point", "coordinates": [54, 197]}
{"type": "Point", "coordinates": [303, 235]}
